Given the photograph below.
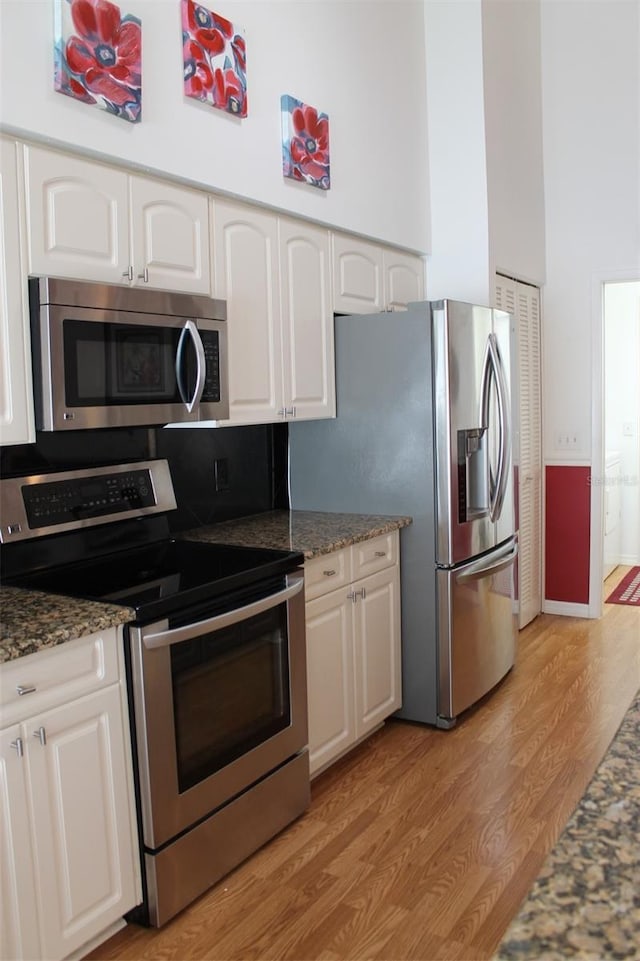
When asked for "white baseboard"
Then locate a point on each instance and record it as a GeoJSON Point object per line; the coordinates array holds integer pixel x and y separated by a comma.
{"type": "Point", "coordinates": [565, 608]}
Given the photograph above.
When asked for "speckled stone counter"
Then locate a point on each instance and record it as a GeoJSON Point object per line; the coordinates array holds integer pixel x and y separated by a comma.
{"type": "Point", "coordinates": [586, 902]}
{"type": "Point", "coordinates": [311, 532]}
{"type": "Point", "coordinates": [31, 621]}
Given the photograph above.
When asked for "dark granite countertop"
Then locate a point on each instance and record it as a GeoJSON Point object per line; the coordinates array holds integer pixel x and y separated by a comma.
{"type": "Point", "coordinates": [586, 902]}
{"type": "Point", "coordinates": [312, 532]}
{"type": "Point", "coordinates": [31, 621]}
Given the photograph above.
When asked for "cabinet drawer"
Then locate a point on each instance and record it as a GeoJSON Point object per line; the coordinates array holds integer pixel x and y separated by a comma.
{"type": "Point", "coordinates": [375, 554]}
{"type": "Point", "coordinates": [57, 675]}
{"type": "Point", "coordinates": [327, 572]}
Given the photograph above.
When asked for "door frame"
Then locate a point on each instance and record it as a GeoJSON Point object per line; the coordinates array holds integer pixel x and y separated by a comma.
{"type": "Point", "coordinates": [596, 532]}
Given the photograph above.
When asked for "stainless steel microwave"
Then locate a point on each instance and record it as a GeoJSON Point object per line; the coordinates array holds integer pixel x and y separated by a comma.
{"type": "Point", "coordinates": [112, 356]}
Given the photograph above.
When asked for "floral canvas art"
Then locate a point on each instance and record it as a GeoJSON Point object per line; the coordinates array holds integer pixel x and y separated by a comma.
{"type": "Point", "coordinates": [97, 56]}
{"type": "Point", "coordinates": [215, 59]}
{"type": "Point", "coordinates": [305, 143]}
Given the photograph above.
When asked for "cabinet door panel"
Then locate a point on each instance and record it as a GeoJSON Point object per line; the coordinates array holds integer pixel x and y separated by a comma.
{"type": "Point", "coordinates": [246, 250]}
{"type": "Point", "coordinates": [330, 677]}
{"type": "Point", "coordinates": [18, 911]}
{"type": "Point", "coordinates": [357, 276]}
{"type": "Point", "coordinates": [17, 424]}
{"type": "Point", "coordinates": [81, 819]}
{"type": "Point", "coordinates": [78, 217]}
{"type": "Point", "coordinates": [170, 236]}
{"type": "Point", "coordinates": [404, 279]}
{"type": "Point", "coordinates": [307, 321]}
{"type": "Point", "coordinates": [377, 649]}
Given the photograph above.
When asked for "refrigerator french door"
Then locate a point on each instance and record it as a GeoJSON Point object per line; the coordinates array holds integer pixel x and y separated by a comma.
{"type": "Point", "coordinates": [425, 427]}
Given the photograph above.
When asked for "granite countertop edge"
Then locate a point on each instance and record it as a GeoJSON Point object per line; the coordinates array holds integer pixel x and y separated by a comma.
{"type": "Point", "coordinates": [31, 621]}
{"type": "Point", "coordinates": [313, 533]}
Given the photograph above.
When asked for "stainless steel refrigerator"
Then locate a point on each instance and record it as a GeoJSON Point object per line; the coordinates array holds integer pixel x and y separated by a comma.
{"type": "Point", "coordinates": [425, 427]}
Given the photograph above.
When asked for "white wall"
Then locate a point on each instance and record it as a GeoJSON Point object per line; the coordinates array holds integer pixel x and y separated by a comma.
{"type": "Point", "coordinates": [513, 125]}
{"type": "Point", "coordinates": [361, 62]}
{"type": "Point", "coordinates": [591, 130]}
{"type": "Point", "coordinates": [485, 145]}
{"type": "Point", "coordinates": [622, 405]}
{"type": "Point", "coordinates": [459, 265]}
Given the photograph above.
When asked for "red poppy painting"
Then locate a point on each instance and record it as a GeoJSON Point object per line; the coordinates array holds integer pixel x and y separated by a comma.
{"type": "Point", "coordinates": [215, 59]}
{"type": "Point", "coordinates": [305, 143]}
{"type": "Point", "coordinates": [98, 55]}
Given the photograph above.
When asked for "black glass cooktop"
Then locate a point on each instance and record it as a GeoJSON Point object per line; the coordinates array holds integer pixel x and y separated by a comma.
{"type": "Point", "coordinates": [162, 578]}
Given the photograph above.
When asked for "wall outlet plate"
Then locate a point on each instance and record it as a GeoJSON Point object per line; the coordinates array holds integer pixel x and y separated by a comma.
{"type": "Point", "coordinates": [221, 473]}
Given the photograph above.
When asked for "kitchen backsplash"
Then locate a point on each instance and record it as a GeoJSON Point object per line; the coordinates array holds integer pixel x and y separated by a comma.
{"type": "Point", "coordinates": [218, 473]}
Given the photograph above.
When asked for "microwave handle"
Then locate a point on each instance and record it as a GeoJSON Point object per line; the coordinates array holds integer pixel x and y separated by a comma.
{"type": "Point", "coordinates": [189, 631]}
{"type": "Point", "coordinates": [190, 329]}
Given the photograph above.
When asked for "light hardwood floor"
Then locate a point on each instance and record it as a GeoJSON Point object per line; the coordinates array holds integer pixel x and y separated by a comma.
{"type": "Point", "coordinates": [421, 844]}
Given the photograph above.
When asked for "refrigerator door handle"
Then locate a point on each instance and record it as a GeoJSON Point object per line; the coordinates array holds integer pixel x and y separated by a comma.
{"type": "Point", "coordinates": [493, 367]}
{"type": "Point", "coordinates": [480, 568]}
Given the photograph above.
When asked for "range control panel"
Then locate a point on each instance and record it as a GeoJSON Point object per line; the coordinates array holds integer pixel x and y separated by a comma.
{"type": "Point", "coordinates": [48, 503]}
{"type": "Point", "coordinates": [60, 502]}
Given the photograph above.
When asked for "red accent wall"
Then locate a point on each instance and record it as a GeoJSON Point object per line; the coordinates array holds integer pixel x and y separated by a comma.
{"type": "Point", "coordinates": [567, 533]}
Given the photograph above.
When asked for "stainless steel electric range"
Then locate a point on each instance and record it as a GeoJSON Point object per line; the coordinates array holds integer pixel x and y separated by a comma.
{"type": "Point", "coordinates": [215, 658]}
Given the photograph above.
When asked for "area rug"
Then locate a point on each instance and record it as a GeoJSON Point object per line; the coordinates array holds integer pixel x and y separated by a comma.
{"type": "Point", "coordinates": [628, 590]}
{"type": "Point", "coordinates": [585, 902]}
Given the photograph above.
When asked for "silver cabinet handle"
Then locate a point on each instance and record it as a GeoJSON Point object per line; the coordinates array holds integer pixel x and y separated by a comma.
{"type": "Point", "coordinates": [128, 273]}
{"type": "Point", "coordinates": [290, 412]}
{"type": "Point", "coordinates": [353, 596]}
{"type": "Point", "coordinates": [281, 412]}
{"type": "Point", "coordinates": [380, 554]}
{"type": "Point", "coordinates": [144, 276]}
{"type": "Point", "coordinates": [23, 689]}
{"type": "Point", "coordinates": [329, 573]}
{"type": "Point", "coordinates": [18, 746]}
{"type": "Point", "coordinates": [41, 734]}
{"type": "Point", "coordinates": [177, 634]}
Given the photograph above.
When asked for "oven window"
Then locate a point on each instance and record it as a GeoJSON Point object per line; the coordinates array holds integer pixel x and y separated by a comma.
{"type": "Point", "coordinates": [230, 693]}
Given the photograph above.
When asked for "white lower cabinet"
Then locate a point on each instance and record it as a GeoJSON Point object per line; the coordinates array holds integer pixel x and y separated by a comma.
{"type": "Point", "coordinates": [353, 645]}
{"type": "Point", "coordinates": [70, 855]}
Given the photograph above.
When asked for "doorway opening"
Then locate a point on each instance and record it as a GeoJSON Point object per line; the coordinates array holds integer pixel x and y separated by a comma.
{"type": "Point", "coordinates": [620, 463]}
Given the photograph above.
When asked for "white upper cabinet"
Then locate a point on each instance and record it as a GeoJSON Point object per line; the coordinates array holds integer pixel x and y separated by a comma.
{"type": "Point", "coordinates": [246, 276]}
{"type": "Point", "coordinates": [308, 370]}
{"type": "Point", "coordinates": [357, 276]}
{"type": "Point", "coordinates": [368, 277]}
{"type": "Point", "coordinates": [78, 217]}
{"type": "Point", "coordinates": [170, 232]}
{"type": "Point", "coordinates": [16, 398]}
{"type": "Point", "coordinates": [94, 222]}
{"type": "Point", "coordinates": [274, 274]}
{"type": "Point", "coordinates": [403, 279]}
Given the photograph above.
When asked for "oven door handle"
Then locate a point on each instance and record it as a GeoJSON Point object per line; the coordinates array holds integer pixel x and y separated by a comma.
{"type": "Point", "coordinates": [189, 631]}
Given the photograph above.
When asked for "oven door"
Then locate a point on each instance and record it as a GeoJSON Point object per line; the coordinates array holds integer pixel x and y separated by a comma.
{"type": "Point", "coordinates": [218, 705]}
{"type": "Point", "coordinates": [111, 368]}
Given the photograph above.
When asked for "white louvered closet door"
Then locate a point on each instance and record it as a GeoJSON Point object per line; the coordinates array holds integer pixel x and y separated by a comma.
{"type": "Point", "coordinates": [523, 301]}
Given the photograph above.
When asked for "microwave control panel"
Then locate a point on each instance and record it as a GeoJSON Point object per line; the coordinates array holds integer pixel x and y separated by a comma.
{"type": "Point", "coordinates": [211, 392]}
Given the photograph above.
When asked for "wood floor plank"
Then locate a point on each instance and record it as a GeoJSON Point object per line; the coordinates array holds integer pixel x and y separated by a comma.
{"type": "Point", "coordinates": [421, 844]}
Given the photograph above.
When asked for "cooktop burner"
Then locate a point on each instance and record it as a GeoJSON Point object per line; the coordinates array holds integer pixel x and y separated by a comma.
{"type": "Point", "coordinates": [161, 578]}
{"type": "Point", "coordinates": [102, 533]}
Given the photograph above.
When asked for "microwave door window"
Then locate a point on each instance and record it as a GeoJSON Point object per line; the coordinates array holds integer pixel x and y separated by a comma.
{"type": "Point", "coordinates": [108, 364]}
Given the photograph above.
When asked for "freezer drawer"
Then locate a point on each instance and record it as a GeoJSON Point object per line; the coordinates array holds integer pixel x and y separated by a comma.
{"type": "Point", "coordinates": [477, 628]}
